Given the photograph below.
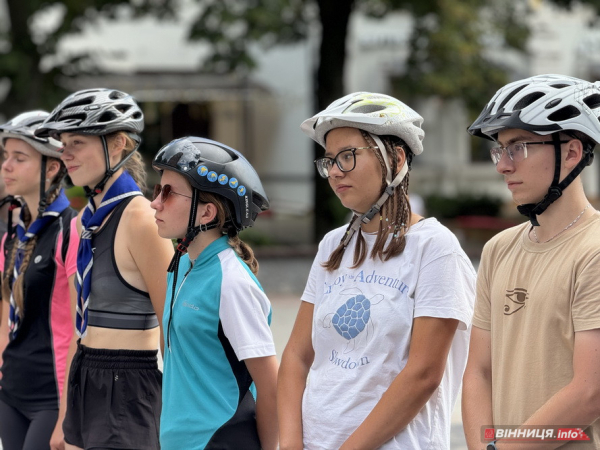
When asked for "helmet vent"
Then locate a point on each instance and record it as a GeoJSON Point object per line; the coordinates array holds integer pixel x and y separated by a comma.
{"type": "Point", "coordinates": [509, 96]}
{"type": "Point", "coordinates": [528, 100]}
{"type": "Point", "coordinates": [107, 116]}
{"type": "Point", "coordinates": [593, 101]}
{"type": "Point", "coordinates": [116, 95]}
{"type": "Point", "coordinates": [74, 118]}
{"type": "Point", "coordinates": [80, 102]}
{"type": "Point", "coordinates": [559, 86]}
{"type": "Point", "coordinates": [566, 113]}
{"type": "Point", "coordinates": [366, 109]}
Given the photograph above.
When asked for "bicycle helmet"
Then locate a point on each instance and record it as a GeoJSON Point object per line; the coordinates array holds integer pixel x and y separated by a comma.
{"type": "Point", "coordinates": [23, 127]}
{"type": "Point", "coordinates": [378, 115]}
{"type": "Point", "coordinates": [97, 112]}
{"type": "Point", "coordinates": [545, 105]}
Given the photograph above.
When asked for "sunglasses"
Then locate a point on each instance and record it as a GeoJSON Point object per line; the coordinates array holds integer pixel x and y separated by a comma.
{"type": "Point", "coordinates": [164, 192]}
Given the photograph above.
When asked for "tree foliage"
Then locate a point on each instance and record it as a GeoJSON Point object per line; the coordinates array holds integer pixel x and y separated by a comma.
{"type": "Point", "coordinates": [27, 42]}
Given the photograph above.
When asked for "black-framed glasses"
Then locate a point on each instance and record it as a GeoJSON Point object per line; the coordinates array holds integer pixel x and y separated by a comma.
{"type": "Point", "coordinates": [164, 192]}
{"type": "Point", "coordinates": [345, 160]}
{"type": "Point", "coordinates": [516, 152]}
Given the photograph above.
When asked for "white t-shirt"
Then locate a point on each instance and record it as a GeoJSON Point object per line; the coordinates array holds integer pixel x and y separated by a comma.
{"type": "Point", "coordinates": [361, 332]}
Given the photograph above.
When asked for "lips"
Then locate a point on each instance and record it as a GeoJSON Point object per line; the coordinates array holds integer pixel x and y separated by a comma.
{"type": "Point", "coordinates": [72, 168]}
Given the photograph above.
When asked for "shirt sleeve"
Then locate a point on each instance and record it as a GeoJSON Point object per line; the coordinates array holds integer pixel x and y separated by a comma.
{"type": "Point", "coordinates": [245, 312]}
{"type": "Point", "coordinates": [446, 289]}
{"type": "Point", "coordinates": [482, 317]}
{"type": "Point", "coordinates": [71, 259]}
{"type": "Point", "coordinates": [586, 303]}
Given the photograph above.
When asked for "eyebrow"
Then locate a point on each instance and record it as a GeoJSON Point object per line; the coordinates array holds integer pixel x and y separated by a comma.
{"type": "Point", "coordinates": [347, 147]}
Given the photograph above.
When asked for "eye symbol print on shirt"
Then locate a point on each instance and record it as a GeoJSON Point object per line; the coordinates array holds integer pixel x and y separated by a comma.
{"type": "Point", "coordinates": [515, 300]}
{"type": "Point", "coordinates": [353, 317]}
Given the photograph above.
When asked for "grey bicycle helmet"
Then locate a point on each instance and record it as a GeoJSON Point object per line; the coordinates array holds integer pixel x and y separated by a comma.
{"type": "Point", "coordinates": [97, 112]}
{"type": "Point", "coordinates": [23, 127]}
{"type": "Point", "coordinates": [545, 105]}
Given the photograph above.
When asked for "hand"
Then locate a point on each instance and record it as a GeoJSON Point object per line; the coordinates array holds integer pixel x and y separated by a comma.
{"type": "Point", "coordinates": [57, 441]}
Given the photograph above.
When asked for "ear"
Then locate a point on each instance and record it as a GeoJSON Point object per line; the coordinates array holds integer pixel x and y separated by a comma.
{"type": "Point", "coordinates": [117, 144]}
{"type": "Point", "coordinates": [206, 213]}
{"type": "Point", "coordinates": [574, 153]}
{"type": "Point", "coordinates": [401, 158]}
{"type": "Point", "coordinates": [52, 168]}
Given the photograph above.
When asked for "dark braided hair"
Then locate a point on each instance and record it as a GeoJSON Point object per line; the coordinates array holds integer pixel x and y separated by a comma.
{"type": "Point", "coordinates": [394, 216]}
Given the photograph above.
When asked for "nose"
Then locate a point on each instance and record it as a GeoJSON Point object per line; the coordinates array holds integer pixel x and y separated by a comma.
{"type": "Point", "coordinates": [335, 172]}
{"type": "Point", "coordinates": [5, 165]}
{"type": "Point", "coordinates": [505, 165]}
{"type": "Point", "coordinates": [156, 204]}
{"type": "Point", "coordinates": [65, 155]}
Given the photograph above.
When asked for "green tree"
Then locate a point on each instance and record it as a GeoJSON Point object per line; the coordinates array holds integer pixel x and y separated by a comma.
{"type": "Point", "coordinates": [26, 45]}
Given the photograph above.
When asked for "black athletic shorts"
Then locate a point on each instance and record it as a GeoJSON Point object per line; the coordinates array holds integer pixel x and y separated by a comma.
{"type": "Point", "coordinates": [114, 399]}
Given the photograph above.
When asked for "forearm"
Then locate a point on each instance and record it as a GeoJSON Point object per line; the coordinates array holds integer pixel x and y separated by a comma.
{"type": "Point", "coordinates": [397, 407]}
{"type": "Point", "coordinates": [57, 439]}
{"type": "Point", "coordinates": [571, 406]}
{"type": "Point", "coordinates": [290, 389]}
{"type": "Point", "coordinates": [266, 419]}
{"type": "Point", "coordinates": [476, 406]}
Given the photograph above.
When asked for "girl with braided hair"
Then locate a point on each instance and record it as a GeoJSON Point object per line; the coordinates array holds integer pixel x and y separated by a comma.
{"type": "Point", "coordinates": [36, 333]}
{"type": "Point", "coordinates": [382, 331]}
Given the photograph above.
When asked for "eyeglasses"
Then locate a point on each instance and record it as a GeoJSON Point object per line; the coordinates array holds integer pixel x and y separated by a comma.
{"type": "Point", "coordinates": [164, 192]}
{"type": "Point", "coordinates": [345, 160]}
{"type": "Point", "coordinates": [516, 152]}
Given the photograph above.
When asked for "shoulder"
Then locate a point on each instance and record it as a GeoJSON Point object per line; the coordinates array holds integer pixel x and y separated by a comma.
{"type": "Point", "coordinates": [332, 239]}
{"type": "Point", "coordinates": [432, 239]}
{"type": "Point", "coordinates": [138, 208]}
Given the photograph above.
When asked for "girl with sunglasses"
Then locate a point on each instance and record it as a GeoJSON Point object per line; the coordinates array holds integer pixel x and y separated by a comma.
{"type": "Point", "coordinates": [220, 369]}
{"type": "Point", "coordinates": [114, 395]}
{"type": "Point", "coordinates": [38, 265]}
{"type": "Point", "coordinates": [383, 328]}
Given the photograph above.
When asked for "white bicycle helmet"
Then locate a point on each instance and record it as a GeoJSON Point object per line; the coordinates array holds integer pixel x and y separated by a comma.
{"type": "Point", "coordinates": [545, 105]}
{"type": "Point", "coordinates": [378, 115]}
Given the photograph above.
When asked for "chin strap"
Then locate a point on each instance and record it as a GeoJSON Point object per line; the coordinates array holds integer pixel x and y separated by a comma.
{"type": "Point", "coordinates": [111, 171]}
{"type": "Point", "coordinates": [532, 210]}
{"type": "Point", "coordinates": [387, 193]}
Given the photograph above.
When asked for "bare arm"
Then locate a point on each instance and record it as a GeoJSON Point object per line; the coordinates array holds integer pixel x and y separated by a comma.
{"type": "Point", "coordinates": [295, 364]}
{"type": "Point", "coordinates": [578, 403]}
{"type": "Point", "coordinates": [151, 254]}
{"type": "Point", "coordinates": [57, 440]}
{"type": "Point", "coordinates": [477, 387]}
{"type": "Point", "coordinates": [411, 389]}
{"type": "Point", "coordinates": [264, 373]}
{"type": "Point", "coordinates": [4, 329]}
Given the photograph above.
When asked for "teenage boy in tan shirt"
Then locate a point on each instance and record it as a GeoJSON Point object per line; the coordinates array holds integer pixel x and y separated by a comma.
{"type": "Point", "coordinates": [534, 356]}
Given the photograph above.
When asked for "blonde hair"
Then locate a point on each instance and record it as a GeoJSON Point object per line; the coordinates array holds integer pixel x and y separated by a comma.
{"type": "Point", "coordinates": [135, 164]}
{"type": "Point", "coordinates": [224, 210]}
{"type": "Point", "coordinates": [394, 215]}
{"type": "Point", "coordinates": [16, 286]}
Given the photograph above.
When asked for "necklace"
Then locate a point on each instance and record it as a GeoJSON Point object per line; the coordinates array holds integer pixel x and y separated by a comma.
{"type": "Point", "coordinates": [561, 231]}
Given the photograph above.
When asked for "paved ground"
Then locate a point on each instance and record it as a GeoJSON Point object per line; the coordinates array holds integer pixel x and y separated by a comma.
{"type": "Point", "coordinates": [283, 279]}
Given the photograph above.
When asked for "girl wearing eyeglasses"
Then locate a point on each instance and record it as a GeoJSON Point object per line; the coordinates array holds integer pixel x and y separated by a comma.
{"type": "Point", "coordinates": [114, 393]}
{"type": "Point", "coordinates": [220, 370]}
{"type": "Point", "coordinates": [38, 264]}
{"type": "Point", "coordinates": [383, 327]}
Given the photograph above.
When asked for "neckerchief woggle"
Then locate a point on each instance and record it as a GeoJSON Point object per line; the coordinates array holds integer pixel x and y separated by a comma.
{"type": "Point", "coordinates": [51, 212]}
{"type": "Point", "coordinates": [124, 187]}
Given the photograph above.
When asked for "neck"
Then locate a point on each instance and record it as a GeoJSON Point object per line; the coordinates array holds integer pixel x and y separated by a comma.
{"type": "Point", "coordinates": [563, 212]}
{"type": "Point", "coordinates": [203, 240]}
{"type": "Point", "coordinates": [98, 197]}
{"type": "Point", "coordinates": [32, 202]}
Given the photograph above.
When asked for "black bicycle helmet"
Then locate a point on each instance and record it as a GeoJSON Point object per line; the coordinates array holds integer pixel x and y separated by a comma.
{"type": "Point", "coordinates": [96, 112]}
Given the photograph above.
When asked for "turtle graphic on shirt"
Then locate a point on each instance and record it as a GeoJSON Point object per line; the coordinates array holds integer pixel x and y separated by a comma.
{"type": "Point", "coordinates": [353, 317]}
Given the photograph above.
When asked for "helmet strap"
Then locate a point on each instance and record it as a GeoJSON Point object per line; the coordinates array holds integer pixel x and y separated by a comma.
{"type": "Point", "coordinates": [110, 171]}
{"type": "Point", "coordinates": [531, 210]}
